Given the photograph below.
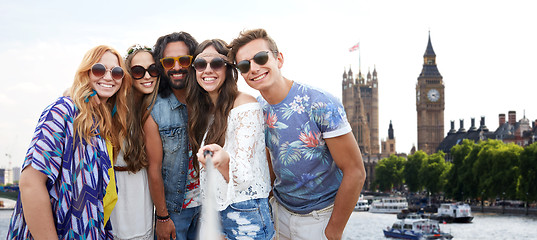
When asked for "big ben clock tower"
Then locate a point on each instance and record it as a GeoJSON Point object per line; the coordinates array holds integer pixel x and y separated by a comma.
{"type": "Point", "coordinates": [430, 103]}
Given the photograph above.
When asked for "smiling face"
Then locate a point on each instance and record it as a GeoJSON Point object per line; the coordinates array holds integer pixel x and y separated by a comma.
{"type": "Point", "coordinates": [145, 85]}
{"type": "Point", "coordinates": [176, 74]}
{"type": "Point", "coordinates": [211, 79]}
{"type": "Point", "coordinates": [260, 77]}
{"type": "Point", "coordinates": [106, 86]}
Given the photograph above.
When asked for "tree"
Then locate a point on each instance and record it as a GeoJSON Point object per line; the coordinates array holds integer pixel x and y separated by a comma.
{"type": "Point", "coordinates": [457, 177]}
{"type": "Point", "coordinates": [411, 171]}
{"type": "Point", "coordinates": [389, 172]}
{"type": "Point", "coordinates": [496, 168]}
{"type": "Point", "coordinates": [527, 178]}
{"type": "Point", "coordinates": [432, 172]}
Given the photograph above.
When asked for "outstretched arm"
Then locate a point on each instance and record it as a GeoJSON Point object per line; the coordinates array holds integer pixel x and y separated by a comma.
{"type": "Point", "coordinates": [153, 145]}
{"type": "Point", "coordinates": [348, 158]}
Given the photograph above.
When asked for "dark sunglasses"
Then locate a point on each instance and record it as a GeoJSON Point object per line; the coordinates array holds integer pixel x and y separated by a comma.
{"type": "Point", "coordinates": [200, 64]}
{"type": "Point", "coordinates": [169, 62]}
{"type": "Point", "coordinates": [99, 70]}
{"type": "Point", "coordinates": [259, 58]}
{"type": "Point", "coordinates": [138, 72]}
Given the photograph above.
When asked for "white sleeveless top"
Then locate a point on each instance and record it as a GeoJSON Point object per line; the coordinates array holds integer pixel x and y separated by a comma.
{"type": "Point", "coordinates": [132, 217]}
{"type": "Point", "coordinates": [249, 176]}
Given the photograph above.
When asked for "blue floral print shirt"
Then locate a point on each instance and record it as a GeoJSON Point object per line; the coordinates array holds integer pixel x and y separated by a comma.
{"type": "Point", "coordinates": [307, 177]}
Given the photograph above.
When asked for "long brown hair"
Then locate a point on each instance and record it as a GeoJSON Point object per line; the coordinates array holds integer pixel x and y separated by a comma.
{"type": "Point", "coordinates": [93, 118]}
{"type": "Point", "coordinates": [200, 106]}
{"type": "Point", "coordinates": [134, 149]}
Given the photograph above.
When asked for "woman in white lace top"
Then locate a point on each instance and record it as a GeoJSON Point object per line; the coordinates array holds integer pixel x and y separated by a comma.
{"type": "Point", "coordinates": [229, 123]}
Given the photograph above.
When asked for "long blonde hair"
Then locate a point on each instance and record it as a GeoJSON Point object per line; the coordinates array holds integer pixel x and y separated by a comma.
{"type": "Point", "coordinates": [135, 156]}
{"type": "Point", "coordinates": [96, 119]}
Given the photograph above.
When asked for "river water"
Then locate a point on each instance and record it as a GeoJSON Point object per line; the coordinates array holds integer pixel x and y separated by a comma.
{"type": "Point", "coordinates": [365, 225]}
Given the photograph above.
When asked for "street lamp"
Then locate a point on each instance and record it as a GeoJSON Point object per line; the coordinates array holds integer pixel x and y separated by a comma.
{"type": "Point", "coordinates": [527, 202]}
{"type": "Point", "coordinates": [503, 203]}
{"type": "Point", "coordinates": [482, 200]}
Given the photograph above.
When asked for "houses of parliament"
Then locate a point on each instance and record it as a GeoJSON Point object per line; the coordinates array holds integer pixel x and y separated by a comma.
{"type": "Point", "coordinates": [360, 98]}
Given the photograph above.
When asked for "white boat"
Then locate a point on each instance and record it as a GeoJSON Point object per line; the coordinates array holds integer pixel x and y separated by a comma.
{"type": "Point", "coordinates": [362, 204]}
{"type": "Point", "coordinates": [416, 228]}
{"type": "Point", "coordinates": [388, 205]}
{"type": "Point", "coordinates": [454, 212]}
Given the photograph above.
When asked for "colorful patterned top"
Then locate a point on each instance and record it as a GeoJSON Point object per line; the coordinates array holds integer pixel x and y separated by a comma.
{"type": "Point", "coordinates": [77, 176]}
{"type": "Point", "coordinates": [307, 178]}
{"type": "Point", "coordinates": [192, 193]}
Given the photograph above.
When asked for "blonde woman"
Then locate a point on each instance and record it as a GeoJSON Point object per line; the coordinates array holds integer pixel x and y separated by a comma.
{"type": "Point", "coordinates": [132, 217]}
{"type": "Point", "coordinates": [67, 185]}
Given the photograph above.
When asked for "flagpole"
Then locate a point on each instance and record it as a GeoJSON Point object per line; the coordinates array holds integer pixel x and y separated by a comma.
{"type": "Point", "coordinates": [359, 58]}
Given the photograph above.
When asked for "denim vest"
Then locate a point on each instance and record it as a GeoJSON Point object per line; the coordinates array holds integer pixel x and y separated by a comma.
{"type": "Point", "coordinates": [171, 118]}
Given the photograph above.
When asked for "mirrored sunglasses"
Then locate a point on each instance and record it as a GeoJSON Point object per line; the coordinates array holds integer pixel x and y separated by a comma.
{"type": "Point", "coordinates": [99, 70]}
{"type": "Point", "coordinates": [138, 72]}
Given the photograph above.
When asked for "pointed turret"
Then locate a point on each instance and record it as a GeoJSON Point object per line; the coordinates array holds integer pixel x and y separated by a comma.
{"type": "Point", "coordinates": [429, 62]}
{"type": "Point", "coordinates": [429, 51]}
{"type": "Point", "coordinates": [390, 131]}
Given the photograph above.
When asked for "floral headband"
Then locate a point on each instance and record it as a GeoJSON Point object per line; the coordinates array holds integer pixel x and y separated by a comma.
{"type": "Point", "coordinates": [136, 48]}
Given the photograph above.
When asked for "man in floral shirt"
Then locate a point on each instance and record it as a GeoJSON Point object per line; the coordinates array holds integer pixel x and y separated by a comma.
{"type": "Point", "coordinates": [316, 161]}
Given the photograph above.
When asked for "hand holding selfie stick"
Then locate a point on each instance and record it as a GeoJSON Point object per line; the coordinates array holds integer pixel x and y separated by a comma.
{"type": "Point", "coordinates": [210, 228]}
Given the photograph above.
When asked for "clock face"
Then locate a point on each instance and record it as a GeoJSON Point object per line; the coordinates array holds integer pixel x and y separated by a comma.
{"type": "Point", "coordinates": [433, 95]}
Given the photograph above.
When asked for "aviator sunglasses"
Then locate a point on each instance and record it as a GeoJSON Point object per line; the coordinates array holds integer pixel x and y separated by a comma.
{"type": "Point", "coordinates": [169, 62]}
{"type": "Point", "coordinates": [99, 70]}
{"type": "Point", "coordinates": [138, 72]}
{"type": "Point", "coordinates": [259, 58]}
{"type": "Point", "coordinates": [200, 64]}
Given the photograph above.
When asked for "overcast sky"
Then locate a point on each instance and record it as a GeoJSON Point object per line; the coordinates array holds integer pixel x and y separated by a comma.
{"type": "Point", "coordinates": [486, 51]}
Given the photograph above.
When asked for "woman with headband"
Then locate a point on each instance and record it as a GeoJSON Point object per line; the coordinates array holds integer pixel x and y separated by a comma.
{"type": "Point", "coordinates": [132, 217]}
{"type": "Point", "coordinates": [229, 123]}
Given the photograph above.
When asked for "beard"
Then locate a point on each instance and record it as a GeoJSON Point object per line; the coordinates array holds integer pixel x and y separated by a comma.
{"type": "Point", "coordinates": [177, 83]}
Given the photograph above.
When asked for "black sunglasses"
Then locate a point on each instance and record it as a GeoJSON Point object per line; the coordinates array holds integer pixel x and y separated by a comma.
{"type": "Point", "coordinates": [138, 72]}
{"type": "Point", "coordinates": [99, 70]}
{"type": "Point", "coordinates": [200, 64]}
{"type": "Point", "coordinates": [259, 58]}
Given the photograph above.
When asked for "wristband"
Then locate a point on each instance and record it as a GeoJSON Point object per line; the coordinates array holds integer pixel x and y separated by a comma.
{"type": "Point", "coordinates": [162, 218]}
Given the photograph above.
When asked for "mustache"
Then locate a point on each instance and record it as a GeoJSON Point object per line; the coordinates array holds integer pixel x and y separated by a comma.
{"type": "Point", "coordinates": [181, 71]}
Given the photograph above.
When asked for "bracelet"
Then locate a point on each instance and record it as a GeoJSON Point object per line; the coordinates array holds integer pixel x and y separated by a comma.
{"type": "Point", "coordinates": [167, 217]}
{"type": "Point", "coordinates": [163, 221]}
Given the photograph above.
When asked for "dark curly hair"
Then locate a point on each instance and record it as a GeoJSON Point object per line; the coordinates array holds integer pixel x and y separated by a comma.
{"type": "Point", "coordinates": [158, 50]}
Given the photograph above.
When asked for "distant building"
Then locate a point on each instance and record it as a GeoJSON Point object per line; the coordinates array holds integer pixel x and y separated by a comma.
{"type": "Point", "coordinates": [430, 102]}
{"type": "Point", "coordinates": [455, 137]}
{"type": "Point", "coordinates": [513, 131]}
{"type": "Point", "coordinates": [16, 174]}
{"type": "Point", "coordinates": [360, 100]}
{"type": "Point", "coordinates": [521, 133]}
{"type": "Point", "coordinates": [388, 145]}
{"type": "Point", "coordinates": [2, 176]}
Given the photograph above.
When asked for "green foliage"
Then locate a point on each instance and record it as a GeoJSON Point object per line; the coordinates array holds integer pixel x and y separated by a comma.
{"type": "Point", "coordinates": [527, 179]}
{"type": "Point", "coordinates": [411, 171]}
{"type": "Point", "coordinates": [487, 170]}
{"type": "Point", "coordinates": [389, 173]}
{"type": "Point", "coordinates": [459, 176]}
{"type": "Point", "coordinates": [432, 171]}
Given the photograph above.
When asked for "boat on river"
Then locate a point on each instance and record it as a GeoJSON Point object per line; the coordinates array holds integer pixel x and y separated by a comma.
{"type": "Point", "coordinates": [453, 212]}
{"type": "Point", "coordinates": [416, 228]}
{"type": "Point", "coordinates": [362, 204]}
{"type": "Point", "coordinates": [388, 205]}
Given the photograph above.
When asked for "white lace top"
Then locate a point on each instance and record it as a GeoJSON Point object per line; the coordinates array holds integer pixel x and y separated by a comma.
{"type": "Point", "coordinates": [249, 176]}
